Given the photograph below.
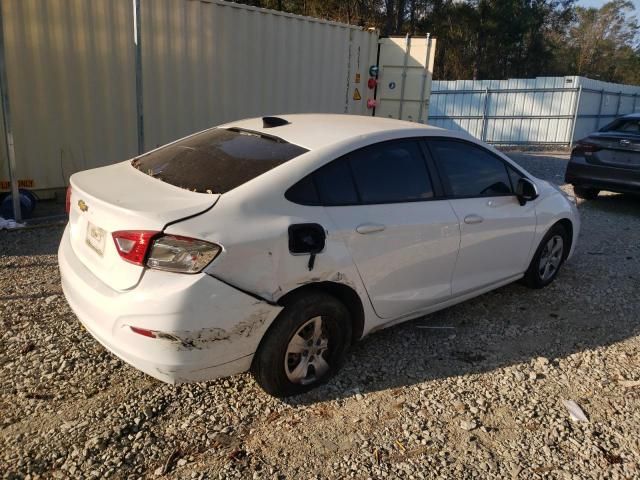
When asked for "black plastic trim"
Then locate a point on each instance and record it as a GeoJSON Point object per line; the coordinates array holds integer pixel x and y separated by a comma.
{"type": "Point", "coordinates": [271, 122]}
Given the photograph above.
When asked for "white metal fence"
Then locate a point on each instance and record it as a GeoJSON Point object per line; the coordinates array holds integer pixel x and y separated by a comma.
{"type": "Point", "coordinates": [92, 82]}
{"type": "Point", "coordinates": [538, 111]}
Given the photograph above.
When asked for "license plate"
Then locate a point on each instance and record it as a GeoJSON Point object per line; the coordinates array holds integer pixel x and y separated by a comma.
{"type": "Point", "coordinates": [96, 238]}
{"type": "Point", "coordinates": [630, 159]}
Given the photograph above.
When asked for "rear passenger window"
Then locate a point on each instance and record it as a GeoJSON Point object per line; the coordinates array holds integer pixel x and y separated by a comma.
{"type": "Point", "coordinates": [386, 172]}
{"type": "Point", "coordinates": [304, 192]}
{"type": "Point", "coordinates": [391, 172]}
{"type": "Point", "coordinates": [335, 185]}
{"type": "Point", "coordinates": [470, 171]}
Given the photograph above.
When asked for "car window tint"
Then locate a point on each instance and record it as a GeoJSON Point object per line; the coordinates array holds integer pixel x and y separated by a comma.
{"type": "Point", "coordinates": [216, 160]}
{"type": "Point", "coordinates": [624, 125]}
{"type": "Point", "coordinates": [335, 185]}
{"type": "Point", "coordinates": [391, 172]}
{"type": "Point", "coordinates": [304, 192]}
{"type": "Point", "coordinates": [470, 171]}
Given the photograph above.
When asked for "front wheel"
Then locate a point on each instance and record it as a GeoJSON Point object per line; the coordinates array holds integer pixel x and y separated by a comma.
{"type": "Point", "coordinates": [305, 345]}
{"type": "Point", "coordinates": [548, 258]}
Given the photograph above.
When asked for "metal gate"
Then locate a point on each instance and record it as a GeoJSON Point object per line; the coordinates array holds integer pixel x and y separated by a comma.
{"type": "Point", "coordinates": [530, 111]}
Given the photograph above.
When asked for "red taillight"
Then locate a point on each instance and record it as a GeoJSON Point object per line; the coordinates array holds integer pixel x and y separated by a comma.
{"type": "Point", "coordinates": [133, 245]}
{"type": "Point", "coordinates": [583, 147]}
{"type": "Point", "coordinates": [171, 253]}
{"type": "Point", "coordinates": [67, 203]}
{"type": "Point", "coordinates": [143, 331]}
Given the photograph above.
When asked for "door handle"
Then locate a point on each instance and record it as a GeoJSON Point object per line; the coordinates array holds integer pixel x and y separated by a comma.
{"type": "Point", "coordinates": [473, 218]}
{"type": "Point", "coordinates": [366, 228]}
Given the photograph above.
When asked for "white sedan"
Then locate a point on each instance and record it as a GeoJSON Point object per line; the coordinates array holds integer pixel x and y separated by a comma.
{"type": "Point", "coordinates": [272, 244]}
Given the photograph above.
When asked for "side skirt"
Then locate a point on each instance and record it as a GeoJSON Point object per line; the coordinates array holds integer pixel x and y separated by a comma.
{"type": "Point", "coordinates": [447, 303]}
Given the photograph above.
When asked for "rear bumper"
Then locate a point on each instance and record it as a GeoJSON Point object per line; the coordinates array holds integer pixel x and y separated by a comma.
{"type": "Point", "coordinates": [204, 328]}
{"type": "Point", "coordinates": [621, 180]}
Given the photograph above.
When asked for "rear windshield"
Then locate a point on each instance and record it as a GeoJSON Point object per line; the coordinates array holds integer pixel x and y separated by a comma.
{"type": "Point", "coordinates": [217, 160]}
{"type": "Point", "coordinates": [624, 125]}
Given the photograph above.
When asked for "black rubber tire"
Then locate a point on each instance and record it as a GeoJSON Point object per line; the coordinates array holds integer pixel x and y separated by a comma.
{"type": "Point", "coordinates": [532, 278]}
{"type": "Point", "coordinates": [586, 193]}
{"type": "Point", "coordinates": [268, 362]}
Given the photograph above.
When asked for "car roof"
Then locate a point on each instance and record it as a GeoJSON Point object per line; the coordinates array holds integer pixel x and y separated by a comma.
{"type": "Point", "coordinates": [632, 116]}
{"type": "Point", "coordinates": [314, 131]}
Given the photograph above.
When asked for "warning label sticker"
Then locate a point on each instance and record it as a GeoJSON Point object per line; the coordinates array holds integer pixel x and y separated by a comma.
{"type": "Point", "coordinates": [6, 184]}
{"type": "Point", "coordinates": [356, 95]}
{"type": "Point", "coordinates": [357, 78]}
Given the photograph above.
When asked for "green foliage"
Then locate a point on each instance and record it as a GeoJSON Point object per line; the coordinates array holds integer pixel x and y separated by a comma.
{"type": "Point", "coordinates": [603, 44]}
{"type": "Point", "coordinates": [496, 39]}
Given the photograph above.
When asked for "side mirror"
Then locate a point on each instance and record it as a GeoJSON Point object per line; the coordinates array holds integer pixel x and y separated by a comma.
{"type": "Point", "coordinates": [526, 191]}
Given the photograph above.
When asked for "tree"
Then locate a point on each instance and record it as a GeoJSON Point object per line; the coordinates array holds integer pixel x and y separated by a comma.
{"type": "Point", "coordinates": [603, 43]}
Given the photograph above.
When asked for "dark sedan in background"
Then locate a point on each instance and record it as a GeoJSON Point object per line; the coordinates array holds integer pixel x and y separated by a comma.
{"type": "Point", "coordinates": [608, 159]}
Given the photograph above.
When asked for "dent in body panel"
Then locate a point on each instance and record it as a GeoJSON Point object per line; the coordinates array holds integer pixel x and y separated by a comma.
{"type": "Point", "coordinates": [335, 277]}
{"type": "Point", "coordinates": [207, 337]}
{"type": "Point", "coordinates": [251, 224]}
{"type": "Point", "coordinates": [271, 271]}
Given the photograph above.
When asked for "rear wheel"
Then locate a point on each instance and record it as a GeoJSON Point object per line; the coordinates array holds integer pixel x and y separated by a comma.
{"type": "Point", "coordinates": [548, 258]}
{"type": "Point", "coordinates": [304, 347]}
{"type": "Point", "coordinates": [586, 193]}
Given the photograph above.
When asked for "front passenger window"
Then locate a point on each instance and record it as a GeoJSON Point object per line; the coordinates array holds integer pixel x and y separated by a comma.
{"type": "Point", "coordinates": [470, 171]}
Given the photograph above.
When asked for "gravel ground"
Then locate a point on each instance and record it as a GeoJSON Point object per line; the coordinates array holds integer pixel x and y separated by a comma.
{"type": "Point", "coordinates": [477, 394]}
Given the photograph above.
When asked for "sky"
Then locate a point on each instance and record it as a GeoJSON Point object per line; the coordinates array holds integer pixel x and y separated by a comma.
{"type": "Point", "coordinates": [599, 3]}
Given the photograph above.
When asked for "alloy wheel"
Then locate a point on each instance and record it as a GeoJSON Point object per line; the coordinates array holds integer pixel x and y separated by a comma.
{"type": "Point", "coordinates": [305, 361]}
{"type": "Point", "coordinates": [551, 257]}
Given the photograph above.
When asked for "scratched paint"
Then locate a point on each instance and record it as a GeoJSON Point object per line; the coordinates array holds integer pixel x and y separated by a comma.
{"type": "Point", "coordinates": [207, 337]}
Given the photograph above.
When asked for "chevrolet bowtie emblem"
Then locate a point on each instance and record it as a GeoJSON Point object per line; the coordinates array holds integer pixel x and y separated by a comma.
{"type": "Point", "coordinates": [83, 206]}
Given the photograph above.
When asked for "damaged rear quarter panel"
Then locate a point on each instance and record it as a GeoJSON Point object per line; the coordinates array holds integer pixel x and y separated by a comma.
{"type": "Point", "coordinates": [251, 327]}
{"type": "Point", "coordinates": [251, 224]}
{"type": "Point", "coordinates": [213, 322]}
{"type": "Point", "coordinates": [256, 255]}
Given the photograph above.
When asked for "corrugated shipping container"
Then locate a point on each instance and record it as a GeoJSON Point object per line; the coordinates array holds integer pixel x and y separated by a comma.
{"type": "Point", "coordinates": [206, 63]}
{"type": "Point", "coordinates": [71, 68]}
{"type": "Point", "coordinates": [543, 110]}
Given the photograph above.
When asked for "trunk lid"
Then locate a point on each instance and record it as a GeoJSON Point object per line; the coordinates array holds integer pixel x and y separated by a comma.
{"type": "Point", "coordinates": [617, 150]}
{"type": "Point", "coordinates": [121, 197]}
